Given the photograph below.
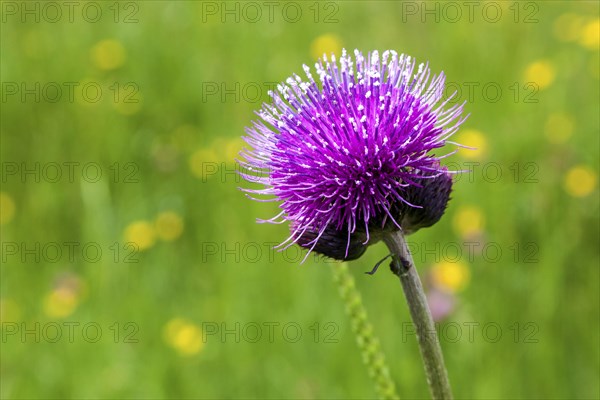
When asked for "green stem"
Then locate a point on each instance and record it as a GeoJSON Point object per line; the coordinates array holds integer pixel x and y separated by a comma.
{"type": "Point", "coordinates": [404, 267]}
{"type": "Point", "coordinates": [368, 344]}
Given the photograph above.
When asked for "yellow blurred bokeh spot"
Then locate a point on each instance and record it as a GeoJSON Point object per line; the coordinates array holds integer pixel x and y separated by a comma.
{"type": "Point", "coordinates": [474, 139]}
{"type": "Point", "coordinates": [108, 54]}
{"type": "Point", "coordinates": [450, 276]}
{"type": "Point", "coordinates": [468, 221]}
{"type": "Point", "coordinates": [9, 311]}
{"type": "Point", "coordinates": [60, 302]}
{"type": "Point", "coordinates": [568, 26]}
{"type": "Point", "coordinates": [7, 208]}
{"type": "Point", "coordinates": [590, 35]}
{"type": "Point", "coordinates": [184, 336]}
{"type": "Point", "coordinates": [541, 72]}
{"type": "Point", "coordinates": [169, 226]}
{"type": "Point", "coordinates": [204, 162]}
{"type": "Point", "coordinates": [233, 148]}
{"type": "Point", "coordinates": [559, 127]}
{"type": "Point", "coordinates": [326, 44]}
{"type": "Point", "coordinates": [580, 181]}
{"type": "Point", "coordinates": [142, 233]}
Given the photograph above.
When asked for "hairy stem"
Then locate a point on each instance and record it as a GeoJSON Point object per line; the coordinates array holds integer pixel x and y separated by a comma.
{"type": "Point", "coordinates": [404, 267]}
{"type": "Point", "coordinates": [363, 330]}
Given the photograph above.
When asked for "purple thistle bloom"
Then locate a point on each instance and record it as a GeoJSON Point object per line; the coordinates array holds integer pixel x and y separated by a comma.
{"type": "Point", "coordinates": [352, 157]}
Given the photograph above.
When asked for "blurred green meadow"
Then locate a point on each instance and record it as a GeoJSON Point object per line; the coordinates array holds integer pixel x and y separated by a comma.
{"type": "Point", "coordinates": [132, 266]}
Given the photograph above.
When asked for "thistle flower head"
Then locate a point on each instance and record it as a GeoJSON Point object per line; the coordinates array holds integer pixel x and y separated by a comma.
{"type": "Point", "coordinates": [353, 154]}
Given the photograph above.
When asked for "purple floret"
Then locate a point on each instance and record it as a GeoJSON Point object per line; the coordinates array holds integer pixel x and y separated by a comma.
{"type": "Point", "coordinates": [340, 154]}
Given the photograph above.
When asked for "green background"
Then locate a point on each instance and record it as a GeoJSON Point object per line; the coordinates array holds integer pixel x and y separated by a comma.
{"type": "Point", "coordinates": [173, 151]}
